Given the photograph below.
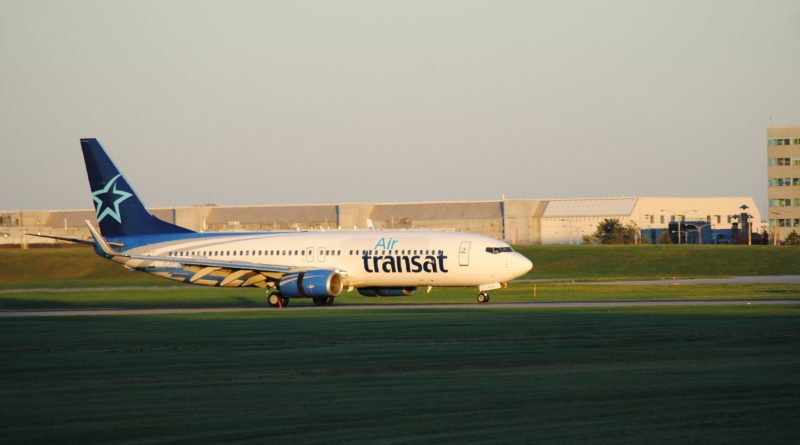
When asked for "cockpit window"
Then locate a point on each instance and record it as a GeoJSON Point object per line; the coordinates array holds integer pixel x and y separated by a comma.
{"type": "Point", "coordinates": [496, 250]}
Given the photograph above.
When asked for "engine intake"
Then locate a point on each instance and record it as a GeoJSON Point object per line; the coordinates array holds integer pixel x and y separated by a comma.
{"type": "Point", "coordinates": [386, 291]}
{"type": "Point", "coordinates": [314, 283]}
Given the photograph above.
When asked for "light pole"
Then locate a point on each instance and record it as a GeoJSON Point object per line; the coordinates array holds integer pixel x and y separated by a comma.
{"type": "Point", "coordinates": [699, 230]}
{"type": "Point", "coordinates": [746, 217]}
{"type": "Point", "coordinates": [682, 214]}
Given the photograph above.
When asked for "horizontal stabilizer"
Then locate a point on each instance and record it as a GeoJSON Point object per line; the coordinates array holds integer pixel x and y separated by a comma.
{"type": "Point", "coordinates": [74, 240]}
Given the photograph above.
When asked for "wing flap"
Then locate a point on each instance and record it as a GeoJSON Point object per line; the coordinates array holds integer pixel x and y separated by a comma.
{"type": "Point", "coordinates": [233, 276]}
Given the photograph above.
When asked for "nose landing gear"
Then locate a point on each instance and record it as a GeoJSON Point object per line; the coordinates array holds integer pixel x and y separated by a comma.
{"type": "Point", "coordinates": [483, 297]}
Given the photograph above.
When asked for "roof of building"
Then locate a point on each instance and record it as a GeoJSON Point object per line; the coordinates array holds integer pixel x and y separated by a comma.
{"type": "Point", "coordinates": [590, 207]}
{"type": "Point", "coordinates": [272, 214]}
{"type": "Point", "coordinates": [437, 211]}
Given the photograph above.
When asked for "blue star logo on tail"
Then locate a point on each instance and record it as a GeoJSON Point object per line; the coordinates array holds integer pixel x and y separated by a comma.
{"type": "Point", "coordinates": [110, 198]}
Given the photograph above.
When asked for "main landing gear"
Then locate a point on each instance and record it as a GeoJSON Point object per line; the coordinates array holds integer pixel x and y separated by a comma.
{"type": "Point", "coordinates": [483, 297]}
{"type": "Point", "coordinates": [275, 299]}
{"type": "Point", "coordinates": [323, 301]}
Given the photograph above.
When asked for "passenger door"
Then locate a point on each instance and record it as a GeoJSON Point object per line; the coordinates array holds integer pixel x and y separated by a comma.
{"type": "Point", "coordinates": [463, 253]}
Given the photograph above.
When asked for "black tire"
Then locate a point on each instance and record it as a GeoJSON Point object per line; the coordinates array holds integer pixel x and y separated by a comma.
{"type": "Point", "coordinates": [284, 301]}
{"type": "Point", "coordinates": [273, 299]}
{"type": "Point", "coordinates": [320, 301]}
{"type": "Point", "coordinates": [329, 301]}
{"type": "Point", "coordinates": [483, 297]}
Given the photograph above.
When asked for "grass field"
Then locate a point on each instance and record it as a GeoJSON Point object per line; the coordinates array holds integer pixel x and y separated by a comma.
{"type": "Point", "coordinates": [698, 374]}
{"type": "Point", "coordinates": [668, 375]}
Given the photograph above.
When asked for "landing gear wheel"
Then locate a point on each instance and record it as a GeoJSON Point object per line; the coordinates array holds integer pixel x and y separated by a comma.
{"type": "Point", "coordinates": [274, 299]}
{"type": "Point", "coordinates": [284, 301]}
{"type": "Point", "coordinates": [323, 301]}
{"type": "Point", "coordinates": [483, 297]}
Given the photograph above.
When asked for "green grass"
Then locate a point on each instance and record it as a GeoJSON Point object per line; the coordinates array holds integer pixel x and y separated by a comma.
{"type": "Point", "coordinates": [196, 296]}
{"type": "Point", "coordinates": [66, 267]}
{"type": "Point", "coordinates": [667, 375]}
{"type": "Point", "coordinates": [666, 261]}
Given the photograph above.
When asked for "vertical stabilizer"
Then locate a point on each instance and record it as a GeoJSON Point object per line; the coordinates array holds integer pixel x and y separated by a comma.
{"type": "Point", "coordinates": [119, 211]}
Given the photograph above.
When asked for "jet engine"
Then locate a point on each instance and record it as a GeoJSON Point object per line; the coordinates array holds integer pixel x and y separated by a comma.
{"type": "Point", "coordinates": [313, 283]}
{"type": "Point", "coordinates": [386, 291]}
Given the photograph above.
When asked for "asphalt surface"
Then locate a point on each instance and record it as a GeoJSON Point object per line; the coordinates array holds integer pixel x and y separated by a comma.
{"type": "Point", "coordinates": [769, 279]}
{"type": "Point", "coordinates": [354, 307]}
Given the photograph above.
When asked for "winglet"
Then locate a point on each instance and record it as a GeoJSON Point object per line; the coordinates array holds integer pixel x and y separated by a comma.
{"type": "Point", "coordinates": [100, 244]}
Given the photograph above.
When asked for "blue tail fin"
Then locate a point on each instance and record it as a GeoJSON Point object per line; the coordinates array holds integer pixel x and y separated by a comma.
{"type": "Point", "coordinates": [119, 211]}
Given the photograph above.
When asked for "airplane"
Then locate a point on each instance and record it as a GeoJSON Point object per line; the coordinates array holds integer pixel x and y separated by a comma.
{"type": "Point", "coordinates": [288, 265]}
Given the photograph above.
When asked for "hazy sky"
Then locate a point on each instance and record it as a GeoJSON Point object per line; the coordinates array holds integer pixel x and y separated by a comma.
{"type": "Point", "coordinates": [258, 102]}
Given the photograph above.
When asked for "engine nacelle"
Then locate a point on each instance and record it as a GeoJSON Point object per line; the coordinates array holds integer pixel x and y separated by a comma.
{"type": "Point", "coordinates": [314, 283]}
{"type": "Point", "coordinates": [386, 291]}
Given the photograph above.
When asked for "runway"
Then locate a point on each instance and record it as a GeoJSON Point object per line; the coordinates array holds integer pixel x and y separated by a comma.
{"type": "Point", "coordinates": [361, 307]}
{"type": "Point", "coordinates": [765, 279]}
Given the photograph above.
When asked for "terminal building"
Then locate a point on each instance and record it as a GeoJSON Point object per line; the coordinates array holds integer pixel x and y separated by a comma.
{"type": "Point", "coordinates": [517, 221]}
{"type": "Point", "coordinates": [783, 179]}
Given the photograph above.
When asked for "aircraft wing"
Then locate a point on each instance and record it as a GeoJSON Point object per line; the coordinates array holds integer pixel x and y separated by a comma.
{"type": "Point", "coordinates": [235, 273]}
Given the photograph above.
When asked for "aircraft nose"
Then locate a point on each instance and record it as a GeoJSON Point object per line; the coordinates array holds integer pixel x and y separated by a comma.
{"type": "Point", "coordinates": [522, 265]}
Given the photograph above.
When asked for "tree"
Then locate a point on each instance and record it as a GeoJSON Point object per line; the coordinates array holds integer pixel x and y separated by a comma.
{"type": "Point", "coordinates": [611, 231]}
{"type": "Point", "coordinates": [793, 239]}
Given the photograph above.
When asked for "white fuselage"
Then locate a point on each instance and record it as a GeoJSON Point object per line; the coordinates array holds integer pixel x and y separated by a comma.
{"type": "Point", "coordinates": [364, 259]}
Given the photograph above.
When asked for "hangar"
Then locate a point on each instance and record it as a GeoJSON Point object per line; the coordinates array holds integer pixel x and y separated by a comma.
{"type": "Point", "coordinates": [518, 221]}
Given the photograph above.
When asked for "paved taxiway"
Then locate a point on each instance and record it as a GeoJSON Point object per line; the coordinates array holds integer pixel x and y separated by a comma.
{"type": "Point", "coordinates": [355, 307]}
{"type": "Point", "coordinates": [766, 279]}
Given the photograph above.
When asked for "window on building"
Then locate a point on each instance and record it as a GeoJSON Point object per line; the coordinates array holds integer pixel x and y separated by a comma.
{"type": "Point", "coordinates": [780, 202]}
{"type": "Point", "coordinates": [719, 218]}
{"type": "Point", "coordinates": [796, 141]}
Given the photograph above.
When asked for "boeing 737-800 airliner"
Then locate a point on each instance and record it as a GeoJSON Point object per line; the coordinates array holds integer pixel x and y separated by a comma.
{"type": "Point", "coordinates": [317, 265]}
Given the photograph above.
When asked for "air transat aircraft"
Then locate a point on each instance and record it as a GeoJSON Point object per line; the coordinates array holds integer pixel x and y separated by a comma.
{"type": "Point", "coordinates": [316, 265]}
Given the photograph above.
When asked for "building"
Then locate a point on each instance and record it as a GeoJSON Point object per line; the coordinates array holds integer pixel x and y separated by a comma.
{"type": "Point", "coordinates": [783, 179]}
{"type": "Point", "coordinates": [518, 221]}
